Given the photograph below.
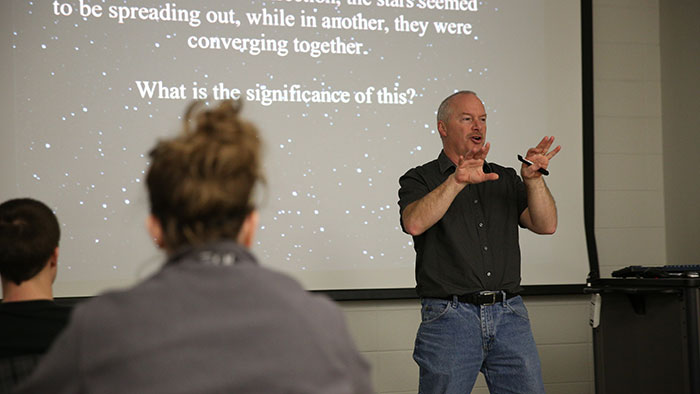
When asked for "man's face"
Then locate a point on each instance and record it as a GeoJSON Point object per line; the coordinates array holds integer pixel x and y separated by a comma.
{"type": "Point", "coordinates": [465, 128]}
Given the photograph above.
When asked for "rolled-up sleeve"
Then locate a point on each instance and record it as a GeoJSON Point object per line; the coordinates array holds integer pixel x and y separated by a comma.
{"type": "Point", "coordinates": [412, 187]}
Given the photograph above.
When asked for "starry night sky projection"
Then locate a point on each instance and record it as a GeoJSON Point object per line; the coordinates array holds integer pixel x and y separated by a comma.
{"type": "Point", "coordinates": [83, 123]}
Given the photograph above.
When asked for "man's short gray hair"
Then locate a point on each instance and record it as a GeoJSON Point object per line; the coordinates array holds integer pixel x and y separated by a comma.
{"type": "Point", "coordinates": [444, 109]}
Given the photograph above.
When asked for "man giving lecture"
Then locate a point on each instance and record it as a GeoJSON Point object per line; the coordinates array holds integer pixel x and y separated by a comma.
{"type": "Point", "coordinates": [463, 213]}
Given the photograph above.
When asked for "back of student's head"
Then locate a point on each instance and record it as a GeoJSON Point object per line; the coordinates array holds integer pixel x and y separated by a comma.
{"type": "Point", "coordinates": [201, 182]}
{"type": "Point", "coordinates": [29, 234]}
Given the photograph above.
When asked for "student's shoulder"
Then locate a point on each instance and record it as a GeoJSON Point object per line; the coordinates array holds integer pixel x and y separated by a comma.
{"type": "Point", "coordinates": [289, 291]}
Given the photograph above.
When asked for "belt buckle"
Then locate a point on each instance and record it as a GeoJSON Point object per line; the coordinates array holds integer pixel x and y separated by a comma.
{"type": "Point", "coordinates": [488, 293]}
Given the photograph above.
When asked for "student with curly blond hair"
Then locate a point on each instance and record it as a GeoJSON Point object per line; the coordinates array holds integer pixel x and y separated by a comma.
{"type": "Point", "coordinates": [212, 320]}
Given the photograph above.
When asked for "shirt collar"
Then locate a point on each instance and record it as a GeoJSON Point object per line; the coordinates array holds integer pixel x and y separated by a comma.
{"type": "Point", "coordinates": [223, 252]}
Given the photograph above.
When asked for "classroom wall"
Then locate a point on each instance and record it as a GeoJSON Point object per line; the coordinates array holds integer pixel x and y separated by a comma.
{"type": "Point", "coordinates": [630, 224]}
{"type": "Point", "coordinates": [629, 186]}
{"type": "Point", "coordinates": [680, 62]}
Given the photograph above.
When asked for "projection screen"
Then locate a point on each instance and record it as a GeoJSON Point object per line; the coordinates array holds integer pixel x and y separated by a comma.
{"type": "Point", "coordinates": [344, 92]}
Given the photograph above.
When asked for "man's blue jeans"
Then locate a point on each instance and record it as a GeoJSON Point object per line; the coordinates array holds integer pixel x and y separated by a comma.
{"type": "Point", "coordinates": [457, 340]}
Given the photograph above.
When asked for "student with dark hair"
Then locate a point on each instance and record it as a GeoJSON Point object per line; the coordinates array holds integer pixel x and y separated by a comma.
{"type": "Point", "coordinates": [212, 320]}
{"type": "Point", "coordinates": [29, 318]}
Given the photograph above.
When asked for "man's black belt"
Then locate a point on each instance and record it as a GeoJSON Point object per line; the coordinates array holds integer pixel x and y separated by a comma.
{"type": "Point", "coordinates": [487, 297]}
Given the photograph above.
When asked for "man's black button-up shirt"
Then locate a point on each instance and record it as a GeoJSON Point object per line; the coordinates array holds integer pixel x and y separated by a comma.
{"type": "Point", "coordinates": [474, 246]}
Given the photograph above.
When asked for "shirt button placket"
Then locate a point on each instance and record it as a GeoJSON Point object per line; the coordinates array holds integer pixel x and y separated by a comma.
{"type": "Point", "coordinates": [482, 237]}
